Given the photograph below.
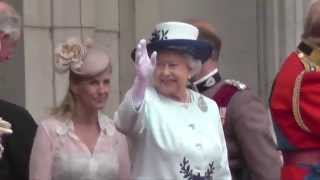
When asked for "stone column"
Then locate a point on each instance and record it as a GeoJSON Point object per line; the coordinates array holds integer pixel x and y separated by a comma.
{"type": "Point", "coordinates": [38, 56]}
{"type": "Point", "coordinates": [107, 34]}
{"type": "Point", "coordinates": [127, 42]}
{"type": "Point", "coordinates": [49, 22]}
{"type": "Point", "coordinates": [280, 26]}
{"type": "Point", "coordinates": [136, 20]}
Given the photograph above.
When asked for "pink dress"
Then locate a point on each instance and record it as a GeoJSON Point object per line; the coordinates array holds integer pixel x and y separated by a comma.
{"type": "Point", "coordinates": [58, 154]}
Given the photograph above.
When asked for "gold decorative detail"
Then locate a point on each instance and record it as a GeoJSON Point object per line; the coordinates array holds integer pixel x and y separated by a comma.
{"type": "Point", "coordinates": [300, 54]}
{"type": "Point", "coordinates": [296, 101]}
{"type": "Point", "coordinates": [309, 66]}
{"type": "Point", "coordinates": [314, 57]}
{"type": "Point", "coordinates": [237, 84]}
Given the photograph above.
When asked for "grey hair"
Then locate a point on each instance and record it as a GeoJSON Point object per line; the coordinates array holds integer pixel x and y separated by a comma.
{"type": "Point", "coordinates": [194, 65]}
{"type": "Point", "coordinates": [10, 22]}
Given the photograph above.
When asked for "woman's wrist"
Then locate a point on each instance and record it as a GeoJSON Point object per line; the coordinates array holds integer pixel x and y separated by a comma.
{"type": "Point", "coordinates": [138, 90]}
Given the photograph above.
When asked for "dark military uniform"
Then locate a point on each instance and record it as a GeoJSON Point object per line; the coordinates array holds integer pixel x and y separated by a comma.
{"type": "Point", "coordinates": [294, 104]}
{"type": "Point", "coordinates": [248, 129]}
{"type": "Point", "coordinates": [14, 164]}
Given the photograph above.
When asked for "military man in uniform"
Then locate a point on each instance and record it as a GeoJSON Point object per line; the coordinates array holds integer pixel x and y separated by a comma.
{"type": "Point", "coordinates": [248, 129]}
{"type": "Point", "coordinates": [295, 102]}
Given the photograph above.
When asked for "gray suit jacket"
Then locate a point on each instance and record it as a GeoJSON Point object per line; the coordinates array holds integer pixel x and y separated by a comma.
{"type": "Point", "coordinates": [250, 138]}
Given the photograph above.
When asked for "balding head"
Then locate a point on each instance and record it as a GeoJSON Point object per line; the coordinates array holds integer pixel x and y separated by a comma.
{"type": "Point", "coordinates": [10, 21]}
{"type": "Point", "coordinates": [3, 6]}
{"type": "Point", "coordinates": [10, 29]}
{"type": "Point", "coordinates": [312, 23]}
{"type": "Point", "coordinates": [208, 33]}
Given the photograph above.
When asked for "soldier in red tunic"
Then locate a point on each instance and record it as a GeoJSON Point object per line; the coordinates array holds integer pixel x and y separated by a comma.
{"type": "Point", "coordinates": [248, 128]}
{"type": "Point", "coordinates": [295, 102]}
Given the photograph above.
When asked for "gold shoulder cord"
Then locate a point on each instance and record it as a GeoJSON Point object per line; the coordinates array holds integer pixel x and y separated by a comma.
{"type": "Point", "coordinates": [311, 64]}
{"type": "Point", "coordinates": [296, 101]}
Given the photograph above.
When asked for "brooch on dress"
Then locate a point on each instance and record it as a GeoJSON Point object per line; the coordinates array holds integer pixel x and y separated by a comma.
{"type": "Point", "coordinates": [202, 104]}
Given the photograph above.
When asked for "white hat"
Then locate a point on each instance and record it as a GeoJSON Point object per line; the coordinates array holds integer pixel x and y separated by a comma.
{"type": "Point", "coordinates": [181, 37]}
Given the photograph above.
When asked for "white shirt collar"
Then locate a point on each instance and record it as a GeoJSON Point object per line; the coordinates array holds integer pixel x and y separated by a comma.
{"type": "Point", "coordinates": [104, 122]}
{"type": "Point", "coordinates": [206, 77]}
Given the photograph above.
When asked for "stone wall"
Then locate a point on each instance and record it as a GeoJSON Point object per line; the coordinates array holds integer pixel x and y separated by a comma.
{"type": "Point", "coordinates": [256, 36]}
{"type": "Point", "coordinates": [48, 22]}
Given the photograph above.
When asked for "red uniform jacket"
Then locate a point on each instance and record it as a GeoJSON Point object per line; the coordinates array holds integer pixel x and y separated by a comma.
{"type": "Point", "coordinates": [295, 109]}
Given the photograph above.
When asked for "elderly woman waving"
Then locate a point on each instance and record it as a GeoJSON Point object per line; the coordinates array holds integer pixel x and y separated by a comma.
{"type": "Point", "coordinates": [174, 132]}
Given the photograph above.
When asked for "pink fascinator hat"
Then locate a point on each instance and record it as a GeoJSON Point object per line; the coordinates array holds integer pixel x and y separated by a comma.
{"type": "Point", "coordinates": [81, 58]}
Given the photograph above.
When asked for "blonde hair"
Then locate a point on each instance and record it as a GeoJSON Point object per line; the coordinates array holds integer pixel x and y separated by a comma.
{"type": "Point", "coordinates": [65, 108]}
{"type": "Point", "coordinates": [67, 105]}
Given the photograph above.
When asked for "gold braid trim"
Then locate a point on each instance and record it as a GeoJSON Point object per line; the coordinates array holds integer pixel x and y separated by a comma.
{"type": "Point", "coordinates": [295, 103]}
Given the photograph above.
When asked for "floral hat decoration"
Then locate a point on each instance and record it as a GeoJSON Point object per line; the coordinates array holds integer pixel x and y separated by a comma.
{"type": "Point", "coordinates": [70, 55]}
{"type": "Point", "coordinates": [83, 59]}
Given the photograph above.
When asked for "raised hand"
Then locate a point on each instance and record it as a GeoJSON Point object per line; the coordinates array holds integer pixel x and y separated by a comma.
{"type": "Point", "coordinates": [143, 64]}
{"type": "Point", "coordinates": [144, 70]}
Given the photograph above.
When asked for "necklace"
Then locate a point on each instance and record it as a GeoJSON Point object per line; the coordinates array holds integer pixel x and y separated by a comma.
{"type": "Point", "coordinates": [188, 100]}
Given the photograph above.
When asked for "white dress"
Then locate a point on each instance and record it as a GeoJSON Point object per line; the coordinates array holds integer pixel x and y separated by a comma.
{"type": "Point", "coordinates": [174, 141]}
{"type": "Point", "coordinates": [58, 154]}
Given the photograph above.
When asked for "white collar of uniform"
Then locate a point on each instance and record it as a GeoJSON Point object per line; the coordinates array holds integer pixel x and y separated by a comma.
{"type": "Point", "coordinates": [204, 78]}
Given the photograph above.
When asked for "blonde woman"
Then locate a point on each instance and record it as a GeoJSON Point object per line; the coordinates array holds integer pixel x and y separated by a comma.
{"type": "Point", "coordinates": [78, 141]}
